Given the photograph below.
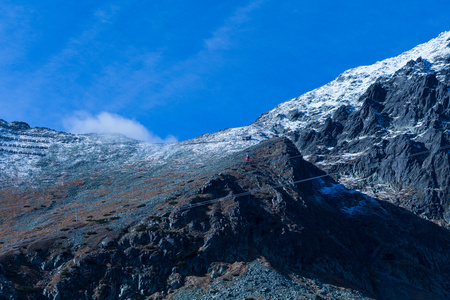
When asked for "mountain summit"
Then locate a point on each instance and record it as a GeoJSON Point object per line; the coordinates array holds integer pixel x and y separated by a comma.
{"type": "Point", "coordinates": [344, 195]}
{"type": "Point", "coordinates": [348, 87]}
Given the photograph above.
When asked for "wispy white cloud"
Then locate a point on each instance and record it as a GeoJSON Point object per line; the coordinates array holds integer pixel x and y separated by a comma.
{"type": "Point", "coordinates": [107, 14]}
{"type": "Point", "coordinates": [125, 84]}
{"type": "Point", "coordinates": [80, 49]}
{"type": "Point", "coordinates": [222, 37]}
{"type": "Point", "coordinates": [15, 31]}
{"type": "Point", "coordinates": [23, 89]}
{"type": "Point", "coordinates": [87, 73]}
{"type": "Point", "coordinates": [153, 83]}
{"type": "Point", "coordinates": [16, 35]}
{"type": "Point", "coordinates": [192, 73]}
{"type": "Point", "coordinates": [106, 122]}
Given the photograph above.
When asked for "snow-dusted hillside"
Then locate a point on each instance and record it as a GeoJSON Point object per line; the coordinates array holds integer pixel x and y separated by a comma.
{"type": "Point", "coordinates": [38, 156]}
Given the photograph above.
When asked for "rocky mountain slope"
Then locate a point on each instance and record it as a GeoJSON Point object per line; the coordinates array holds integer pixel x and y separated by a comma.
{"type": "Point", "coordinates": [381, 129]}
{"type": "Point", "coordinates": [323, 239]}
{"type": "Point", "coordinates": [335, 203]}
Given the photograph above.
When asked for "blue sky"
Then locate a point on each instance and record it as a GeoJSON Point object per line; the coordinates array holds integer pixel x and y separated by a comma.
{"type": "Point", "coordinates": [166, 70]}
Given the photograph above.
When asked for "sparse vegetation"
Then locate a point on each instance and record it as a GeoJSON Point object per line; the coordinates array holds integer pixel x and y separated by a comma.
{"type": "Point", "coordinates": [102, 289]}
{"type": "Point", "coordinates": [10, 273]}
{"type": "Point", "coordinates": [141, 227]}
{"type": "Point", "coordinates": [26, 289]}
{"type": "Point", "coordinates": [101, 221]}
{"type": "Point", "coordinates": [191, 254]}
{"type": "Point", "coordinates": [181, 264]}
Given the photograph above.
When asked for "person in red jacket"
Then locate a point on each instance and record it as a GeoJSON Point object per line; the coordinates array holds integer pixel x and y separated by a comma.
{"type": "Point", "coordinates": [247, 158]}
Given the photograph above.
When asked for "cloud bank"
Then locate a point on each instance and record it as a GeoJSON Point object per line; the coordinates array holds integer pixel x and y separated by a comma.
{"type": "Point", "coordinates": [106, 122]}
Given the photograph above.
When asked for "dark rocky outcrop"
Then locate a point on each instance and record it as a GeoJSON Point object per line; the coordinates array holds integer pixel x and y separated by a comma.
{"type": "Point", "coordinates": [18, 126]}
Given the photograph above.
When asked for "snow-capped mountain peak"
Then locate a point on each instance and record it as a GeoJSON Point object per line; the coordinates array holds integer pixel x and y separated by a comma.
{"type": "Point", "coordinates": [319, 104]}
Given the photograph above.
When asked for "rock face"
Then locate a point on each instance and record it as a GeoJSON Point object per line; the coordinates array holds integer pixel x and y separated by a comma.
{"type": "Point", "coordinates": [311, 228]}
{"type": "Point", "coordinates": [398, 138]}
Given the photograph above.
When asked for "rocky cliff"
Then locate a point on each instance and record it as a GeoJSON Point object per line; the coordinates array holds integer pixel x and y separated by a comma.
{"type": "Point", "coordinates": [397, 142]}
{"type": "Point", "coordinates": [380, 129]}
